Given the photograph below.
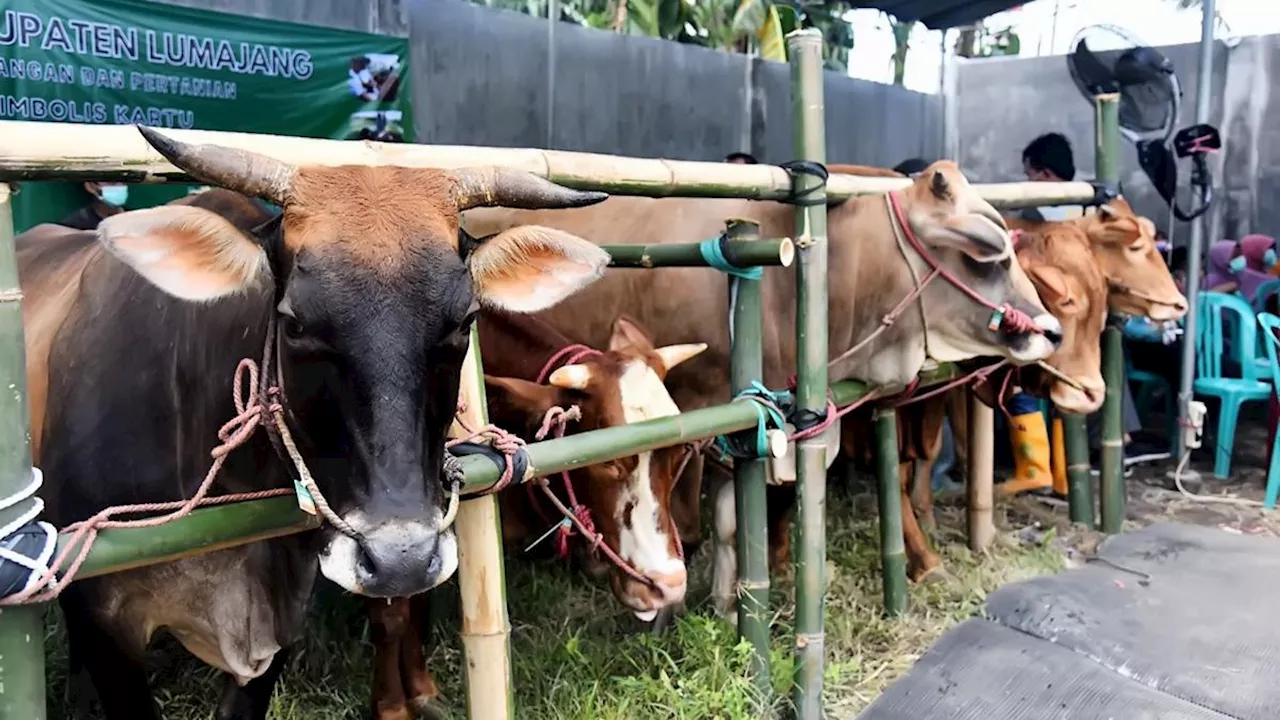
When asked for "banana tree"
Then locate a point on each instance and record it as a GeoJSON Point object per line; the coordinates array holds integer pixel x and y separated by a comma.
{"type": "Point", "coordinates": [901, 44]}
{"type": "Point", "coordinates": [763, 24]}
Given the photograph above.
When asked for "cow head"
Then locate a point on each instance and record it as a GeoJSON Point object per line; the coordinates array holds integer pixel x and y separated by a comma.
{"type": "Point", "coordinates": [969, 238]}
{"type": "Point", "coordinates": [1062, 267]}
{"type": "Point", "coordinates": [368, 282]}
{"type": "Point", "coordinates": [1139, 279]}
{"type": "Point", "coordinates": [629, 498]}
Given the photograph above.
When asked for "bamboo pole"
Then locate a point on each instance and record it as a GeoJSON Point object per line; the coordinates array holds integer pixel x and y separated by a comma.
{"type": "Point", "coordinates": [203, 531]}
{"type": "Point", "coordinates": [739, 253]}
{"type": "Point", "coordinates": [893, 553]}
{"type": "Point", "coordinates": [22, 687]}
{"type": "Point", "coordinates": [1075, 437]}
{"type": "Point", "coordinates": [486, 630]}
{"type": "Point", "coordinates": [1111, 473]}
{"type": "Point", "coordinates": [749, 475]}
{"type": "Point", "coordinates": [982, 421]}
{"type": "Point", "coordinates": [808, 105]}
{"type": "Point", "coordinates": [69, 151]}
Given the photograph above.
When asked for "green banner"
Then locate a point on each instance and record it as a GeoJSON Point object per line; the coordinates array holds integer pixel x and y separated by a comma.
{"type": "Point", "coordinates": [134, 62]}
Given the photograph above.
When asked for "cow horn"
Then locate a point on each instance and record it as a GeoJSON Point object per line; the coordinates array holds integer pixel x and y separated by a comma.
{"type": "Point", "coordinates": [232, 168]}
{"type": "Point", "coordinates": [504, 187]}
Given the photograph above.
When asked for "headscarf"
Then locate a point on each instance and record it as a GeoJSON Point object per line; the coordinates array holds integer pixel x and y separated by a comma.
{"type": "Point", "coordinates": [1259, 254]}
{"type": "Point", "coordinates": [1219, 270]}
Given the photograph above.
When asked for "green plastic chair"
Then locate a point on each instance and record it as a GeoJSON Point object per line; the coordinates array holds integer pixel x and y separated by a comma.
{"type": "Point", "coordinates": [1270, 325]}
{"type": "Point", "coordinates": [1217, 315]}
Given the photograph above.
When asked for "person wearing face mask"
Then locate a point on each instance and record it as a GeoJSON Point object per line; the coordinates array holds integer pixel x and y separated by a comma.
{"type": "Point", "coordinates": [1258, 253]}
{"type": "Point", "coordinates": [108, 199]}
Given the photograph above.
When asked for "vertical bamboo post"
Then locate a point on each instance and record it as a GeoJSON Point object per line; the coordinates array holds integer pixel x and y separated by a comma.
{"type": "Point", "coordinates": [1111, 475]}
{"type": "Point", "coordinates": [22, 688]}
{"type": "Point", "coordinates": [486, 631]}
{"type": "Point", "coordinates": [747, 366]}
{"type": "Point", "coordinates": [808, 105]}
{"type": "Point", "coordinates": [982, 428]}
{"type": "Point", "coordinates": [21, 628]}
{"type": "Point", "coordinates": [1075, 437]}
{"type": "Point", "coordinates": [893, 553]}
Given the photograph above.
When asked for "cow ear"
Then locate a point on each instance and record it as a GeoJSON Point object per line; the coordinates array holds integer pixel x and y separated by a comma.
{"type": "Point", "coordinates": [975, 236]}
{"type": "Point", "coordinates": [518, 403]}
{"type": "Point", "coordinates": [1050, 283]}
{"type": "Point", "coordinates": [188, 252]}
{"type": "Point", "coordinates": [530, 268]}
{"type": "Point", "coordinates": [627, 334]}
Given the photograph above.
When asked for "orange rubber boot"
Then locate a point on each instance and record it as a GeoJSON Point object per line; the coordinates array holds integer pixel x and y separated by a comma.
{"type": "Point", "coordinates": [1030, 455]}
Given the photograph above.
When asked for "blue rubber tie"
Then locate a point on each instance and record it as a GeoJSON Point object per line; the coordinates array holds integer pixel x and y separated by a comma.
{"type": "Point", "coordinates": [764, 413]}
{"type": "Point", "coordinates": [713, 252]}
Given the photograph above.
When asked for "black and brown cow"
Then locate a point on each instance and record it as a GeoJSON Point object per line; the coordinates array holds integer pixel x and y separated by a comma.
{"type": "Point", "coordinates": [133, 334]}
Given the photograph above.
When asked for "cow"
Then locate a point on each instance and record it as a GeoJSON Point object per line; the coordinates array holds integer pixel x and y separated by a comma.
{"type": "Point", "coordinates": [871, 267]}
{"type": "Point", "coordinates": [627, 499]}
{"type": "Point", "coordinates": [369, 291]}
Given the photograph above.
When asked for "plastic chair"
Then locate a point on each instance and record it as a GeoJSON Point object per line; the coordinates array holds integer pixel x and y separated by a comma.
{"type": "Point", "coordinates": [1216, 315]}
{"type": "Point", "coordinates": [1270, 324]}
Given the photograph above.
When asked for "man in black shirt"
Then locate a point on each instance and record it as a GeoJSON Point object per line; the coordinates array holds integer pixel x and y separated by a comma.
{"type": "Point", "coordinates": [107, 199]}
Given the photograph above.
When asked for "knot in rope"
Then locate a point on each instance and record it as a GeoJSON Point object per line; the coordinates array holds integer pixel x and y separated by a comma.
{"type": "Point", "coordinates": [558, 419]}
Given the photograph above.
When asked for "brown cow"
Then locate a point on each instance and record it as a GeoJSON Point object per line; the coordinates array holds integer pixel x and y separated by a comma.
{"type": "Point", "coordinates": [870, 272]}
{"type": "Point", "coordinates": [628, 498]}
{"type": "Point", "coordinates": [368, 288]}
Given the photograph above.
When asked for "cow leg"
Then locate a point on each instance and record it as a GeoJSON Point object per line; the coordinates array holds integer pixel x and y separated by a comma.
{"type": "Point", "coordinates": [922, 494]}
{"type": "Point", "coordinates": [724, 569]}
{"type": "Point", "coordinates": [781, 501]}
{"type": "Point", "coordinates": [921, 560]}
{"type": "Point", "coordinates": [958, 412]}
{"type": "Point", "coordinates": [118, 677]}
{"type": "Point", "coordinates": [419, 685]}
{"type": "Point", "coordinates": [252, 701]}
{"type": "Point", "coordinates": [389, 619]}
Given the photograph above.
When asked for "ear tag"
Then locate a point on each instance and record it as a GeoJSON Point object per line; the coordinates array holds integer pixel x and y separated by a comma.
{"type": "Point", "coordinates": [997, 319]}
{"type": "Point", "coordinates": [305, 501]}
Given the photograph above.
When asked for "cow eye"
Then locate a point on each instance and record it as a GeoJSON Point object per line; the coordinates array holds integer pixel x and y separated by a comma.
{"type": "Point", "coordinates": [294, 329]}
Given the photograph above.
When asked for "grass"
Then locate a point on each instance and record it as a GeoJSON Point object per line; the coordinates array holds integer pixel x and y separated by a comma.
{"type": "Point", "coordinates": [578, 656]}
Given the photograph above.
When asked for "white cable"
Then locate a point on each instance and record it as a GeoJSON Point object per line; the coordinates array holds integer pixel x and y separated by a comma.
{"type": "Point", "coordinates": [1220, 499]}
{"type": "Point", "coordinates": [38, 565]}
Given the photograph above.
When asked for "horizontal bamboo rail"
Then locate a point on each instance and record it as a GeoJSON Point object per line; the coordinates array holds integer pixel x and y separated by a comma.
{"type": "Point", "coordinates": [69, 151]}
{"type": "Point", "coordinates": [740, 254]}
{"type": "Point", "coordinates": [204, 530]}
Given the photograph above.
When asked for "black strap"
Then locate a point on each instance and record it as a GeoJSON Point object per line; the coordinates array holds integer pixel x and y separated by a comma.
{"type": "Point", "coordinates": [1104, 193]}
{"type": "Point", "coordinates": [519, 461]}
{"type": "Point", "coordinates": [27, 541]}
{"type": "Point", "coordinates": [805, 198]}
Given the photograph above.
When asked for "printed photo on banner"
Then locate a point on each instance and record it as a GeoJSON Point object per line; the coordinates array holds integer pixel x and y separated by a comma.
{"type": "Point", "coordinates": [374, 77]}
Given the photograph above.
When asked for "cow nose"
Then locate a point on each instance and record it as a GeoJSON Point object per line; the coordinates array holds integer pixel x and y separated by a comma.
{"type": "Point", "coordinates": [399, 559]}
{"type": "Point", "coordinates": [671, 583]}
{"type": "Point", "coordinates": [1180, 305]}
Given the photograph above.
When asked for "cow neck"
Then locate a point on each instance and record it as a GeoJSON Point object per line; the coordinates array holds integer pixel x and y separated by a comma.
{"type": "Point", "coordinates": [1003, 316]}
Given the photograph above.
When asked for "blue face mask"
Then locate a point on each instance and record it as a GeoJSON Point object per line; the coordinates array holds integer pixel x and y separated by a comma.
{"type": "Point", "coordinates": [115, 195]}
{"type": "Point", "coordinates": [1237, 263]}
{"type": "Point", "coordinates": [1269, 257]}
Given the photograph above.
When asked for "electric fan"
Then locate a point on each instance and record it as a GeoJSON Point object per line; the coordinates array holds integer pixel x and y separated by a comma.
{"type": "Point", "coordinates": [1106, 59]}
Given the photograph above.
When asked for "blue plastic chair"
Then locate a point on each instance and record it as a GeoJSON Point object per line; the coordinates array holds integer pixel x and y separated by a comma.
{"type": "Point", "coordinates": [1217, 315]}
{"type": "Point", "coordinates": [1270, 325]}
{"type": "Point", "coordinates": [1265, 291]}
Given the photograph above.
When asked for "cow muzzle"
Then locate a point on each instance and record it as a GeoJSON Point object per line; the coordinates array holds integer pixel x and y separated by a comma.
{"type": "Point", "coordinates": [397, 557]}
{"type": "Point", "coordinates": [1028, 347]}
{"type": "Point", "coordinates": [1083, 401]}
{"type": "Point", "coordinates": [667, 587]}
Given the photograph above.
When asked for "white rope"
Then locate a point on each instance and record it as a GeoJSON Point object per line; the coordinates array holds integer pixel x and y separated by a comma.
{"type": "Point", "coordinates": [39, 565]}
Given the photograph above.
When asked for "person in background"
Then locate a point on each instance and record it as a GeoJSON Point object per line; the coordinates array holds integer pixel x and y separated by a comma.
{"type": "Point", "coordinates": [911, 167]}
{"type": "Point", "coordinates": [1224, 261]}
{"type": "Point", "coordinates": [1259, 254]}
{"type": "Point", "coordinates": [107, 200]}
{"type": "Point", "coordinates": [1048, 158]}
{"type": "Point", "coordinates": [741, 158]}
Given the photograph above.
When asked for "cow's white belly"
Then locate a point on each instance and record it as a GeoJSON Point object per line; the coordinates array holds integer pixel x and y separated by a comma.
{"type": "Point", "coordinates": [214, 604]}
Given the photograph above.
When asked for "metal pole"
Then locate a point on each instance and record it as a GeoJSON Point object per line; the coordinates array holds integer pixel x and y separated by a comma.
{"type": "Point", "coordinates": [1111, 473]}
{"type": "Point", "coordinates": [893, 552]}
{"type": "Point", "coordinates": [486, 630]}
{"type": "Point", "coordinates": [553, 19]}
{"type": "Point", "coordinates": [811, 365]}
{"type": "Point", "coordinates": [21, 628]}
{"type": "Point", "coordinates": [1075, 436]}
{"type": "Point", "coordinates": [1195, 246]}
{"type": "Point", "coordinates": [747, 366]}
